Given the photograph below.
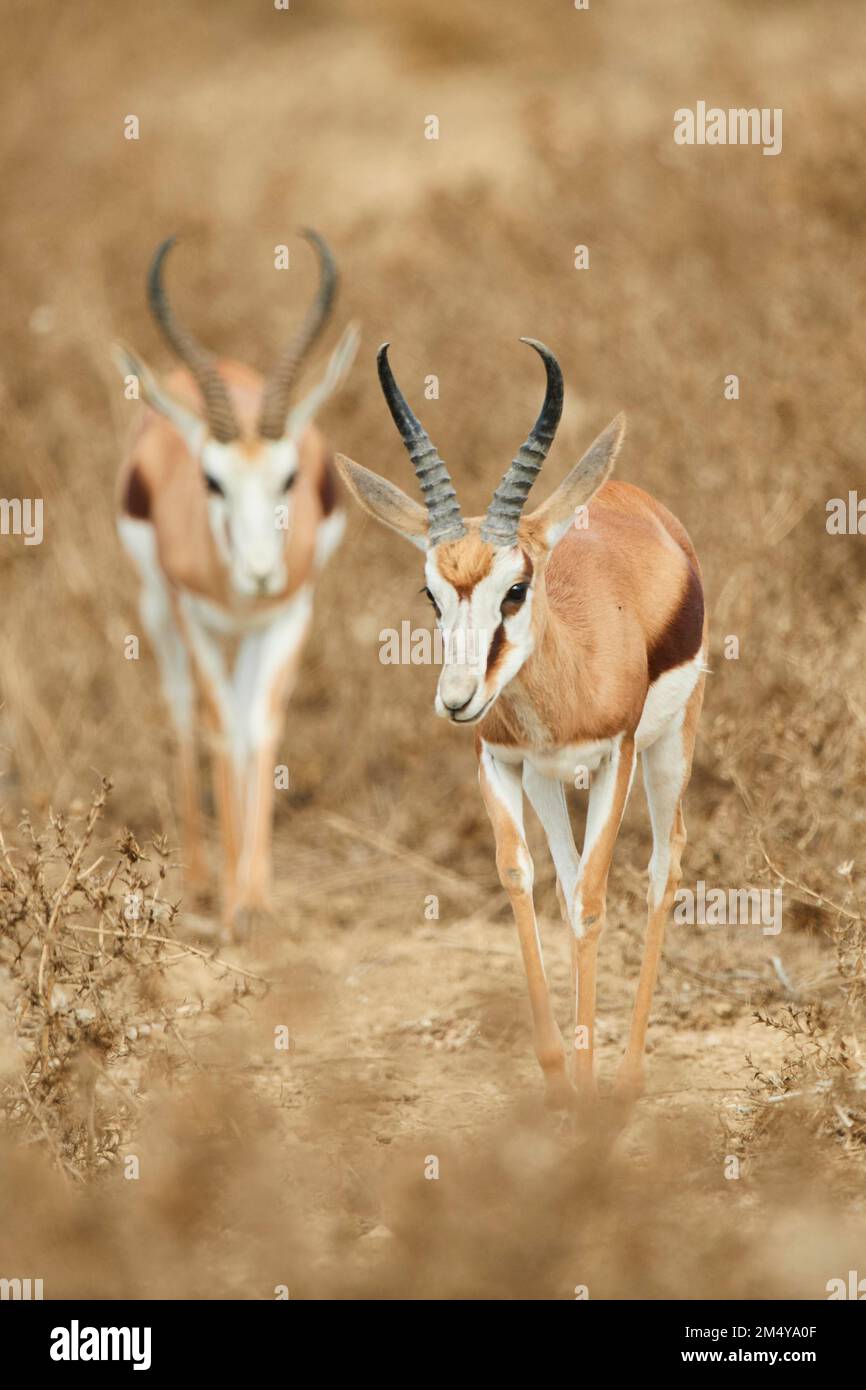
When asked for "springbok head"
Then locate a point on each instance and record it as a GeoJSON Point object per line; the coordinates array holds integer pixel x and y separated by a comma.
{"type": "Point", "coordinates": [482, 573]}
{"type": "Point", "coordinates": [249, 468]}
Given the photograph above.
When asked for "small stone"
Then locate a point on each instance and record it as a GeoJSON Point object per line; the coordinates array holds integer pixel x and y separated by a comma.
{"type": "Point", "coordinates": [378, 1233]}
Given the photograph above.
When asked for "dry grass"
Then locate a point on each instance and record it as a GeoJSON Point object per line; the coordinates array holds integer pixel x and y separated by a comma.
{"type": "Point", "coordinates": [555, 130]}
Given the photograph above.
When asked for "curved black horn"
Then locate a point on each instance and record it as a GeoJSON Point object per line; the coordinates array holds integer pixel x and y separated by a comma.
{"type": "Point", "coordinates": [503, 515]}
{"type": "Point", "coordinates": [278, 387]}
{"type": "Point", "coordinates": [218, 408]}
{"type": "Point", "coordinates": [443, 509]}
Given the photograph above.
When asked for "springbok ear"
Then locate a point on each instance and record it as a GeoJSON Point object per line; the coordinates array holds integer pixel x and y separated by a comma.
{"type": "Point", "coordinates": [554, 516]}
{"type": "Point", "coordinates": [190, 426]}
{"type": "Point", "coordinates": [336, 372]}
{"type": "Point", "coordinates": [384, 501]}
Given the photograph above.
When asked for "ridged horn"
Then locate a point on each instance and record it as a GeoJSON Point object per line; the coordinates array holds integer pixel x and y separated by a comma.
{"type": "Point", "coordinates": [218, 409]}
{"type": "Point", "coordinates": [278, 387]}
{"type": "Point", "coordinates": [443, 509]}
{"type": "Point", "coordinates": [503, 515]}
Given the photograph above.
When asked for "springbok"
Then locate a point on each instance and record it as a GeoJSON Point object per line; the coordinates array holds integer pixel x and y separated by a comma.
{"type": "Point", "coordinates": [227, 507]}
{"type": "Point", "coordinates": [575, 639]}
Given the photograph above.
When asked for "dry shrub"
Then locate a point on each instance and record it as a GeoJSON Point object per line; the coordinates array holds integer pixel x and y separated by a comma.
{"type": "Point", "coordinates": [85, 950]}
{"type": "Point", "coordinates": [824, 1072]}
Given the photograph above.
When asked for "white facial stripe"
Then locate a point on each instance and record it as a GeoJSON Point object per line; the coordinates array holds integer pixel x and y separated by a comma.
{"type": "Point", "coordinates": [469, 624]}
{"type": "Point", "coordinates": [251, 516]}
{"type": "Point", "coordinates": [282, 460]}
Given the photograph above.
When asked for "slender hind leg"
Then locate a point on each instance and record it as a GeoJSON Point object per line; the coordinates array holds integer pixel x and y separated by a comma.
{"type": "Point", "coordinates": [176, 678]}
{"type": "Point", "coordinates": [667, 766]}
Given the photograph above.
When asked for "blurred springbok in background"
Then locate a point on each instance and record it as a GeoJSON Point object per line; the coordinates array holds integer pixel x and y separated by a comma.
{"type": "Point", "coordinates": [227, 507]}
{"type": "Point", "coordinates": [575, 639]}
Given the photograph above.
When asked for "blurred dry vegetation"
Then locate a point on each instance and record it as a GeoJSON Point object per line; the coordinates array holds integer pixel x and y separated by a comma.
{"type": "Point", "coordinates": [119, 1035]}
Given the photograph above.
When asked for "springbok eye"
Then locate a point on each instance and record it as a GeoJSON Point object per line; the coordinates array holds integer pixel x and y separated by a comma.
{"type": "Point", "coordinates": [213, 485]}
{"type": "Point", "coordinates": [515, 596]}
{"type": "Point", "coordinates": [426, 591]}
{"type": "Point", "coordinates": [289, 482]}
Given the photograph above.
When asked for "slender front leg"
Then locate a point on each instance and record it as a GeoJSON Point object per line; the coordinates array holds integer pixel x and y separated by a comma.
{"type": "Point", "coordinates": [607, 801]}
{"type": "Point", "coordinates": [265, 676]}
{"type": "Point", "coordinates": [503, 797]}
{"type": "Point", "coordinates": [220, 722]}
{"type": "Point", "coordinates": [255, 869]}
{"type": "Point", "coordinates": [547, 797]}
{"type": "Point", "coordinates": [225, 797]}
{"type": "Point", "coordinates": [666, 769]}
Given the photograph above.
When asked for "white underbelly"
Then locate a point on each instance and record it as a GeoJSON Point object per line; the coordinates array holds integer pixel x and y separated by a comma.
{"type": "Point", "coordinates": [568, 763]}
{"type": "Point", "coordinates": [666, 701]}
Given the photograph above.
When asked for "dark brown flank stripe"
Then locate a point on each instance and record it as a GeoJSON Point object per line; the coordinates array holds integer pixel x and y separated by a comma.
{"type": "Point", "coordinates": [681, 639]}
{"type": "Point", "coordinates": [136, 503]}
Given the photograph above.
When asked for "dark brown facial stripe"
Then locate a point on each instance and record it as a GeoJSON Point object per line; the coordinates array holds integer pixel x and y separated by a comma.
{"type": "Point", "coordinates": [497, 649]}
{"type": "Point", "coordinates": [328, 488]}
{"type": "Point", "coordinates": [681, 639]}
{"type": "Point", "coordinates": [136, 502]}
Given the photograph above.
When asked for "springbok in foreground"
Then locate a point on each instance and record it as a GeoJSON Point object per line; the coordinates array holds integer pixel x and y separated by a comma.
{"type": "Point", "coordinates": [575, 639]}
{"type": "Point", "coordinates": [227, 508]}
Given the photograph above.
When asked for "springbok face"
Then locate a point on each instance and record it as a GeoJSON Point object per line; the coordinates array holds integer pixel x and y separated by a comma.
{"type": "Point", "coordinates": [249, 508]}
{"type": "Point", "coordinates": [249, 476]}
{"type": "Point", "coordinates": [485, 575]}
{"type": "Point", "coordinates": [482, 597]}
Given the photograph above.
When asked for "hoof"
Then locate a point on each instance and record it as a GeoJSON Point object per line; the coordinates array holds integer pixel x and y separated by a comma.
{"type": "Point", "coordinates": [628, 1085]}
{"type": "Point", "coordinates": [246, 922]}
{"type": "Point", "coordinates": [199, 890]}
{"type": "Point", "coordinates": [203, 927]}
